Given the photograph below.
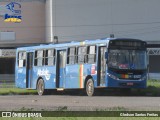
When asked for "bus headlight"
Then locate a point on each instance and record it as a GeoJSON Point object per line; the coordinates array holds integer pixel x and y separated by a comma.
{"type": "Point", "coordinates": [112, 76]}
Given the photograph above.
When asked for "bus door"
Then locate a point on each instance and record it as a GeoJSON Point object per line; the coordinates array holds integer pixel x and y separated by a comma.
{"type": "Point", "coordinates": [29, 68]}
{"type": "Point", "coordinates": [60, 69]}
{"type": "Point", "coordinates": [101, 66]}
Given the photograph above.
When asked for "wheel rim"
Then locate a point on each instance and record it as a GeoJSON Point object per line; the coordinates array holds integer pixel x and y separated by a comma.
{"type": "Point", "coordinates": [40, 87]}
{"type": "Point", "coordinates": [90, 88]}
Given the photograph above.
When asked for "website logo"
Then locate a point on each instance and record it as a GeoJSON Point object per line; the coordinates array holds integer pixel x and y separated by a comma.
{"type": "Point", "coordinates": [6, 114]}
{"type": "Point", "coordinates": [12, 18]}
{"type": "Point", "coordinates": [13, 7]}
{"type": "Point", "coordinates": [15, 13]}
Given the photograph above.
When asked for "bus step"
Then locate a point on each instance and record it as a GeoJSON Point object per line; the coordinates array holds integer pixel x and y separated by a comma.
{"type": "Point", "coordinates": [101, 86]}
{"type": "Point", "coordinates": [60, 89]}
{"type": "Point", "coordinates": [29, 88]}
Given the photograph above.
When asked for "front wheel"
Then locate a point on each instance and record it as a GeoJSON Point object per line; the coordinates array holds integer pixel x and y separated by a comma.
{"type": "Point", "coordinates": [90, 87]}
{"type": "Point", "coordinates": [40, 87]}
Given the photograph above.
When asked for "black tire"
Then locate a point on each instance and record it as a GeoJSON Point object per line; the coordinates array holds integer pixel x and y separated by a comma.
{"type": "Point", "coordinates": [40, 87]}
{"type": "Point", "coordinates": [90, 87]}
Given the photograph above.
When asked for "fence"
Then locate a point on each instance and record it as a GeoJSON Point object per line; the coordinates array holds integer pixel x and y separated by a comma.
{"type": "Point", "coordinates": [154, 76]}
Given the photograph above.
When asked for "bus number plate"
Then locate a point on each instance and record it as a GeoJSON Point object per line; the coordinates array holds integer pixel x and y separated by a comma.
{"type": "Point", "coordinates": [137, 76]}
{"type": "Point", "coordinates": [129, 84]}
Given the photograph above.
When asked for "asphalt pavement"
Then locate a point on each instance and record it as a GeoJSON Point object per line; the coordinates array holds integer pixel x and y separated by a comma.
{"type": "Point", "coordinates": [78, 103]}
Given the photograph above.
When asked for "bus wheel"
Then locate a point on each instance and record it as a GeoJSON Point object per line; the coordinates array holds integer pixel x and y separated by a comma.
{"type": "Point", "coordinates": [40, 87]}
{"type": "Point", "coordinates": [90, 87]}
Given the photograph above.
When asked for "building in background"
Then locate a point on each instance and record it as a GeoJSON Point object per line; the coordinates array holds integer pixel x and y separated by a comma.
{"type": "Point", "coordinates": [91, 19]}
{"type": "Point", "coordinates": [32, 22]}
{"type": "Point", "coordinates": [22, 23]}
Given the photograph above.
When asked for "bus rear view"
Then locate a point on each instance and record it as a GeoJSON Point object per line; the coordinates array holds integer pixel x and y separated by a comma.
{"type": "Point", "coordinates": [127, 63]}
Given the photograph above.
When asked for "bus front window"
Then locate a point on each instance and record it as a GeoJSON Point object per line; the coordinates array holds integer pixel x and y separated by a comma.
{"type": "Point", "coordinates": [127, 59]}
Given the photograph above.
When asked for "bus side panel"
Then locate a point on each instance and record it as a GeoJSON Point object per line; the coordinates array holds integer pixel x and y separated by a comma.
{"type": "Point", "coordinates": [90, 70]}
{"type": "Point", "coordinates": [72, 76]}
{"type": "Point", "coordinates": [47, 74]}
{"type": "Point", "coordinates": [35, 78]}
{"type": "Point", "coordinates": [21, 77]}
{"type": "Point", "coordinates": [76, 75]}
{"type": "Point", "coordinates": [20, 74]}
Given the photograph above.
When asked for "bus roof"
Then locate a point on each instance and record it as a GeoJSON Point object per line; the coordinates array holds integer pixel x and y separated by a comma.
{"type": "Point", "coordinates": [73, 43]}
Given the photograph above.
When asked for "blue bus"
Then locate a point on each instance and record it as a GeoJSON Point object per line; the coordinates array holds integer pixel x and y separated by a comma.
{"type": "Point", "coordinates": [101, 63]}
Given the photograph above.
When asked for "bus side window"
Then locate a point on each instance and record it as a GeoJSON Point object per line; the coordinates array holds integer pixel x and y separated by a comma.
{"type": "Point", "coordinates": [82, 54]}
{"type": "Point", "coordinates": [21, 59]}
{"type": "Point", "coordinates": [50, 57]}
{"type": "Point", "coordinates": [38, 61]}
{"type": "Point", "coordinates": [35, 58]}
{"type": "Point", "coordinates": [46, 57]}
{"type": "Point", "coordinates": [71, 56]}
{"type": "Point", "coordinates": [91, 57]}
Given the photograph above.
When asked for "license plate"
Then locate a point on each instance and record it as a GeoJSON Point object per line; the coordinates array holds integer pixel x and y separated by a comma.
{"type": "Point", "coordinates": [137, 76]}
{"type": "Point", "coordinates": [129, 84]}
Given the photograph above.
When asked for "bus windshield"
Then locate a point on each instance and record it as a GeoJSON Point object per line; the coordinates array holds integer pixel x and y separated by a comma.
{"type": "Point", "coordinates": [127, 59]}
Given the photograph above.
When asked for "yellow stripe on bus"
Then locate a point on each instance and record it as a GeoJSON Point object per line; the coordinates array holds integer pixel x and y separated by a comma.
{"type": "Point", "coordinates": [81, 76]}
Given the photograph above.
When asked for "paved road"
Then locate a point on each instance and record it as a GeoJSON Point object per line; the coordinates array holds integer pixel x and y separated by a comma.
{"type": "Point", "coordinates": [63, 102]}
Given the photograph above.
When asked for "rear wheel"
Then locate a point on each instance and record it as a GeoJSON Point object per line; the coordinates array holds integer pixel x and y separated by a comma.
{"type": "Point", "coordinates": [90, 87]}
{"type": "Point", "coordinates": [40, 87]}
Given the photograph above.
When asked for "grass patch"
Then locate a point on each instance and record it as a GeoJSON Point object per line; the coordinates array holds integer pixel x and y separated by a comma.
{"type": "Point", "coordinates": [113, 109]}
{"type": "Point", "coordinates": [154, 83]}
{"type": "Point", "coordinates": [64, 108]}
{"type": "Point", "coordinates": [16, 91]}
{"type": "Point", "coordinates": [26, 109]}
{"type": "Point", "coordinates": [153, 88]}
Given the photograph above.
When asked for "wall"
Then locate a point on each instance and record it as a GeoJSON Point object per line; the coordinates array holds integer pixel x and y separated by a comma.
{"type": "Point", "coordinates": [91, 19]}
